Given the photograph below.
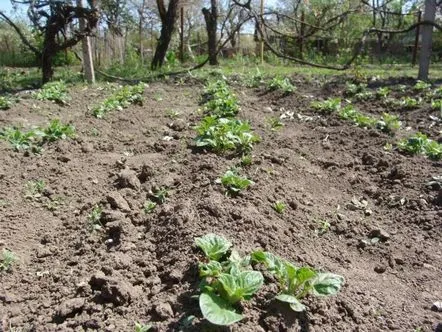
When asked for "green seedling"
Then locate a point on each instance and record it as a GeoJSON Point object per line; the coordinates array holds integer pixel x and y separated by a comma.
{"type": "Point", "coordinates": [421, 144]}
{"type": "Point", "coordinates": [388, 147]}
{"type": "Point", "coordinates": [437, 106]}
{"type": "Point", "coordinates": [34, 189]}
{"type": "Point", "coordinates": [122, 98]}
{"type": "Point", "coordinates": [56, 130]}
{"type": "Point", "coordinates": [20, 140]}
{"type": "Point", "coordinates": [149, 206]}
{"type": "Point", "coordinates": [364, 95]}
{"type": "Point", "coordinates": [221, 135]}
{"type": "Point", "coordinates": [5, 103]}
{"type": "Point", "coordinates": [352, 89]}
{"type": "Point", "coordinates": [246, 160]}
{"type": "Point", "coordinates": [422, 86]}
{"type": "Point", "coordinates": [323, 228]}
{"type": "Point", "coordinates": [54, 203]}
{"type": "Point", "coordinates": [296, 283]}
{"type": "Point", "coordinates": [7, 260]}
{"type": "Point", "coordinates": [361, 120]}
{"type": "Point", "coordinates": [382, 93]}
{"type": "Point", "coordinates": [388, 123]}
{"type": "Point", "coordinates": [409, 102]}
{"type": "Point", "coordinates": [94, 218]}
{"type": "Point", "coordinates": [219, 101]}
{"type": "Point", "coordinates": [53, 91]}
{"type": "Point", "coordinates": [160, 195]}
{"type": "Point", "coordinates": [282, 84]}
{"type": "Point", "coordinates": [279, 207]}
{"type": "Point", "coordinates": [140, 327]}
{"type": "Point", "coordinates": [227, 280]}
{"type": "Point", "coordinates": [172, 114]}
{"type": "Point", "coordinates": [275, 123]}
{"type": "Point", "coordinates": [327, 106]}
{"type": "Point", "coordinates": [233, 182]}
{"type": "Point", "coordinates": [254, 80]}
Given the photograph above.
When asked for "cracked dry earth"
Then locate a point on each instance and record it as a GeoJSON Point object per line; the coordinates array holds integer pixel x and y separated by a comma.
{"type": "Point", "coordinates": [384, 233]}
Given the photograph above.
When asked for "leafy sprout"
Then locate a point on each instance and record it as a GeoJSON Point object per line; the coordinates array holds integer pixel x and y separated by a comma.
{"type": "Point", "coordinates": [149, 206]}
{"type": "Point", "coordinates": [327, 106]}
{"type": "Point", "coordinates": [282, 84]}
{"type": "Point", "coordinates": [279, 207]}
{"type": "Point", "coordinates": [388, 123]}
{"type": "Point", "coordinates": [160, 194]}
{"type": "Point", "coordinates": [233, 182]}
{"type": "Point", "coordinates": [34, 189]}
{"type": "Point", "coordinates": [275, 123]}
{"type": "Point", "coordinates": [421, 144]}
{"type": "Point", "coordinates": [54, 91]}
{"type": "Point", "coordinates": [5, 102]}
{"type": "Point", "coordinates": [213, 246]}
{"type": "Point", "coordinates": [140, 327]}
{"type": "Point", "coordinates": [94, 218]}
{"type": "Point", "coordinates": [7, 260]}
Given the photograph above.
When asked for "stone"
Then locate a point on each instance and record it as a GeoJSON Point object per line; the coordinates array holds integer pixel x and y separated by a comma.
{"type": "Point", "coordinates": [117, 201]}
{"type": "Point", "coordinates": [437, 306]}
{"type": "Point", "coordinates": [380, 269]}
{"type": "Point", "coordinates": [127, 178]}
{"type": "Point", "coordinates": [164, 310]}
{"type": "Point", "coordinates": [379, 233]}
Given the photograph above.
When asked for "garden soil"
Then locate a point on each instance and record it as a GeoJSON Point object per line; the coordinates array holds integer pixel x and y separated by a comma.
{"type": "Point", "coordinates": [353, 208]}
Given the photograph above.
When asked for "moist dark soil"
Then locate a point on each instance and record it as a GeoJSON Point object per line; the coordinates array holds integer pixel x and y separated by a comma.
{"type": "Point", "coordinates": [353, 208]}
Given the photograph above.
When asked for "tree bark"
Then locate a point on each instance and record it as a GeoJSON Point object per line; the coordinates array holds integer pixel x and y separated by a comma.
{"type": "Point", "coordinates": [427, 34]}
{"type": "Point", "coordinates": [168, 25]}
{"type": "Point", "coordinates": [88, 64]}
{"type": "Point", "coordinates": [211, 18]}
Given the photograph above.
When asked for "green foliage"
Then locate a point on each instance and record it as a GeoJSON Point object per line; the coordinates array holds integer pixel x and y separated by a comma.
{"type": "Point", "coordinates": [352, 89]}
{"type": "Point", "coordinates": [327, 106]}
{"type": "Point", "coordinates": [233, 182]}
{"type": "Point", "coordinates": [422, 86]}
{"type": "Point", "coordinates": [246, 160]}
{"type": "Point", "coordinates": [382, 93]}
{"type": "Point", "coordinates": [227, 280]}
{"type": "Point", "coordinates": [34, 189]}
{"type": "Point", "coordinates": [361, 120]}
{"type": "Point", "coordinates": [54, 91]}
{"type": "Point", "coordinates": [5, 102]}
{"type": "Point", "coordinates": [122, 98]}
{"type": "Point", "coordinates": [275, 123]}
{"type": "Point", "coordinates": [149, 206]}
{"type": "Point", "coordinates": [388, 123]}
{"type": "Point", "coordinates": [7, 260]}
{"type": "Point", "coordinates": [254, 80]}
{"type": "Point", "coordinates": [160, 194]}
{"type": "Point", "coordinates": [213, 246]}
{"type": "Point", "coordinates": [224, 134]}
{"type": "Point", "coordinates": [421, 144]}
{"type": "Point", "coordinates": [281, 83]}
{"type": "Point", "coordinates": [296, 283]}
{"type": "Point", "coordinates": [94, 218]}
{"type": "Point", "coordinates": [56, 130]}
{"type": "Point", "coordinates": [436, 104]}
{"type": "Point", "coordinates": [220, 101]}
{"type": "Point", "coordinates": [20, 140]}
{"type": "Point", "coordinates": [140, 327]}
{"type": "Point", "coordinates": [279, 207]}
{"type": "Point", "coordinates": [409, 102]}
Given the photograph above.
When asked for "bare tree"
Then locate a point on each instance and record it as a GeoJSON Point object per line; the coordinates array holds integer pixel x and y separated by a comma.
{"type": "Point", "coordinates": [50, 19]}
{"type": "Point", "coordinates": [211, 18]}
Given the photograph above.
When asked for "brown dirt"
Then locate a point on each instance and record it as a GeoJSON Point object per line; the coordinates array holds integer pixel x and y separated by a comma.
{"type": "Point", "coordinates": [143, 267]}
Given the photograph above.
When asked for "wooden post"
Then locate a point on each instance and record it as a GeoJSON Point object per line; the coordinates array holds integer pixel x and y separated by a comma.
{"type": "Point", "coordinates": [182, 34]}
{"type": "Point", "coordinates": [261, 51]}
{"type": "Point", "coordinates": [301, 39]}
{"type": "Point", "coordinates": [416, 39]}
{"type": "Point", "coordinates": [427, 39]}
{"type": "Point", "coordinates": [88, 64]}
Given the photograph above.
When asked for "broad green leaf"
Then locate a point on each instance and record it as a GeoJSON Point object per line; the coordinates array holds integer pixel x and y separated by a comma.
{"type": "Point", "coordinates": [304, 274]}
{"type": "Point", "coordinates": [241, 286]}
{"type": "Point", "coordinates": [217, 311]}
{"type": "Point", "coordinates": [214, 246]}
{"type": "Point", "coordinates": [211, 269]}
{"type": "Point", "coordinates": [327, 284]}
{"type": "Point", "coordinates": [295, 304]}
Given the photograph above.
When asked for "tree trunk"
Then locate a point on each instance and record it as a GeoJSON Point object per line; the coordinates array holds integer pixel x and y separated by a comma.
{"type": "Point", "coordinates": [211, 18]}
{"type": "Point", "coordinates": [48, 53]}
{"type": "Point", "coordinates": [427, 34]}
{"type": "Point", "coordinates": [167, 28]}
{"type": "Point", "coordinates": [88, 63]}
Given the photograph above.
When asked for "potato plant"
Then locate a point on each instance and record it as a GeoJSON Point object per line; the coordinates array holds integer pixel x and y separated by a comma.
{"type": "Point", "coordinates": [53, 91]}
{"type": "Point", "coordinates": [327, 106]}
{"type": "Point", "coordinates": [233, 182]}
{"type": "Point", "coordinates": [5, 102]}
{"type": "Point", "coordinates": [282, 84]}
{"type": "Point", "coordinates": [421, 144]}
{"type": "Point", "coordinates": [219, 101]}
{"type": "Point", "coordinates": [122, 98]}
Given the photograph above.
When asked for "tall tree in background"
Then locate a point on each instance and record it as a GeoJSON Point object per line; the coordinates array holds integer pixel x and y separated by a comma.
{"type": "Point", "coordinates": [211, 18]}
{"type": "Point", "coordinates": [168, 19]}
{"type": "Point", "coordinates": [51, 19]}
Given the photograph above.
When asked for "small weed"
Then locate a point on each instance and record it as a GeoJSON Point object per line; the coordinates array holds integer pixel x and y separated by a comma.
{"type": "Point", "coordinates": [7, 260]}
{"type": "Point", "coordinates": [388, 123]}
{"type": "Point", "coordinates": [275, 123]}
{"type": "Point", "coordinates": [279, 207]}
{"type": "Point", "coordinates": [327, 106]}
{"type": "Point", "coordinates": [149, 206]}
{"type": "Point", "coordinates": [53, 91]}
{"type": "Point", "coordinates": [5, 103]}
{"type": "Point", "coordinates": [160, 195]}
{"type": "Point", "coordinates": [246, 160]}
{"type": "Point", "coordinates": [282, 84]}
{"type": "Point", "coordinates": [94, 218]}
{"type": "Point", "coordinates": [34, 189]}
{"type": "Point", "coordinates": [140, 327]}
{"type": "Point", "coordinates": [233, 182]}
{"type": "Point", "coordinates": [54, 203]}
